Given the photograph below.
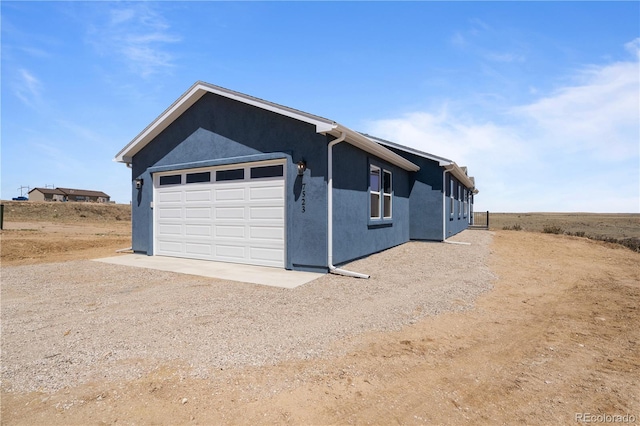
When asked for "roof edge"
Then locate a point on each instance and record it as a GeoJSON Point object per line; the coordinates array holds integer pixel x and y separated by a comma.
{"type": "Point", "coordinates": [357, 139]}
{"type": "Point", "coordinates": [192, 95]}
{"type": "Point", "coordinates": [441, 160]}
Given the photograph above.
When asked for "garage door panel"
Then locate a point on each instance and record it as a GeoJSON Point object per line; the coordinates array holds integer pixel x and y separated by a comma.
{"type": "Point", "coordinates": [199, 249]}
{"type": "Point", "coordinates": [230, 231]}
{"type": "Point", "coordinates": [197, 212]}
{"type": "Point", "coordinates": [170, 197]}
{"type": "Point", "coordinates": [266, 212]}
{"type": "Point", "coordinates": [237, 213]}
{"type": "Point", "coordinates": [170, 212]}
{"type": "Point", "coordinates": [229, 194]}
{"type": "Point", "coordinates": [191, 230]}
{"type": "Point", "coordinates": [267, 233]}
{"type": "Point", "coordinates": [170, 247]}
{"type": "Point", "coordinates": [198, 195]}
{"type": "Point", "coordinates": [230, 251]}
{"type": "Point", "coordinates": [240, 221]}
{"type": "Point", "coordinates": [269, 193]}
{"type": "Point", "coordinates": [267, 254]}
{"type": "Point", "coordinates": [168, 229]}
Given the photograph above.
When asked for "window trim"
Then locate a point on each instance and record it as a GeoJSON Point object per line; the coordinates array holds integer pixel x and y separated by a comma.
{"type": "Point", "coordinates": [451, 205]}
{"type": "Point", "coordinates": [465, 201]}
{"type": "Point", "coordinates": [459, 200]}
{"type": "Point", "coordinates": [376, 192]}
{"type": "Point", "coordinates": [387, 194]}
{"type": "Point", "coordinates": [384, 199]}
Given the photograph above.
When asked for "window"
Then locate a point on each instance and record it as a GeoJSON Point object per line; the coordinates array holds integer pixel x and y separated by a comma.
{"type": "Point", "coordinates": [466, 202]}
{"type": "Point", "coordinates": [451, 207]}
{"type": "Point", "coordinates": [171, 180]}
{"type": "Point", "coordinates": [267, 171]}
{"type": "Point", "coordinates": [234, 174]}
{"type": "Point", "coordinates": [380, 193]}
{"type": "Point", "coordinates": [459, 201]}
{"type": "Point", "coordinates": [199, 177]}
{"type": "Point", "coordinates": [386, 190]}
{"type": "Point", "coordinates": [374, 187]}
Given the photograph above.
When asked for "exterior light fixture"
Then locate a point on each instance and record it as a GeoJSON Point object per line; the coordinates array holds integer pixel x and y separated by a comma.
{"type": "Point", "coordinates": [139, 183]}
{"type": "Point", "coordinates": [302, 166]}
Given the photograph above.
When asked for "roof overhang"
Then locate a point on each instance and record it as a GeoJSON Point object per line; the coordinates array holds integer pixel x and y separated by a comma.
{"type": "Point", "coordinates": [194, 94]}
{"type": "Point", "coordinates": [462, 177]}
{"type": "Point", "coordinates": [358, 140]}
{"type": "Point", "coordinates": [199, 89]}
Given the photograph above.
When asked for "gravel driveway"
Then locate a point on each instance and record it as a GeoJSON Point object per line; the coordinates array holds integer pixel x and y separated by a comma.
{"type": "Point", "coordinates": [68, 323]}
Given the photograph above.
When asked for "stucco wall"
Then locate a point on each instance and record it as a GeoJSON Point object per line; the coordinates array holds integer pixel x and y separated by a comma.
{"type": "Point", "coordinates": [354, 234]}
{"type": "Point", "coordinates": [218, 130]}
{"type": "Point", "coordinates": [458, 222]}
{"type": "Point", "coordinates": [425, 201]}
{"type": "Point", "coordinates": [216, 127]}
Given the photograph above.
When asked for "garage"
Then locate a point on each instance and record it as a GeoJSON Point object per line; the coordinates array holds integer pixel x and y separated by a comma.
{"type": "Point", "coordinates": [232, 213]}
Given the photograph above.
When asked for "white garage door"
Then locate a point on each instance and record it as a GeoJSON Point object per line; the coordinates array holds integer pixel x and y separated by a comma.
{"type": "Point", "coordinates": [231, 214]}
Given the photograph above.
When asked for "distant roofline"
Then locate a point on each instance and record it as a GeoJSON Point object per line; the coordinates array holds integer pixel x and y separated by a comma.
{"type": "Point", "coordinates": [410, 150]}
{"type": "Point", "coordinates": [71, 191]}
{"type": "Point", "coordinates": [459, 172]}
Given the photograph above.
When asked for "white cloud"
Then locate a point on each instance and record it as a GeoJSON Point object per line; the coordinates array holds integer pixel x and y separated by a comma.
{"type": "Point", "coordinates": [28, 88]}
{"type": "Point", "coordinates": [633, 47]}
{"type": "Point", "coordinates": [138, 36]}
{"type": "Point", "coordinates": [576, 149]}
{"type": "Point", "coordinates": [458, 40]}
{"type": "Point", "coordinates": [599, 117]}
{"type": "Point", "coordinates": [504, 57]}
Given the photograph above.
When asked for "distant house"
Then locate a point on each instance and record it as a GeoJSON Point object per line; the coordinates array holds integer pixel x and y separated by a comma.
{"type": "Point", "coordinates": [68, 194]}
{"type": "Point", "coordinates": [46, 194]}
{"type": "Point", "coordinates": [225, 176]}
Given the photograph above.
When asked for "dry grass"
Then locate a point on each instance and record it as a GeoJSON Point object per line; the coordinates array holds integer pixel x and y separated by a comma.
{"type": "Point", "coordinates": [618, 228]}
{"type": "Point", "coordinates": [40, 211]}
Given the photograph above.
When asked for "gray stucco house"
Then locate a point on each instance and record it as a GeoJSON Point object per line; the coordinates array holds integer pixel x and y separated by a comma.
{"type": "Point", "coordinates": [224, 176]}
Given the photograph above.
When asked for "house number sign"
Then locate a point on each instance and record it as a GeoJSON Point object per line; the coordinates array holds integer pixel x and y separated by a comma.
{"type": "Point", "coordinates": [304, 198]}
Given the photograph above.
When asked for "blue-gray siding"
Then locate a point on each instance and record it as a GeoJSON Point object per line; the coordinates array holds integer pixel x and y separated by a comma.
{"type": "Point", "coordinates": [220, 129]}
{"type": "Point", "coordinates": [355, 235]}
{"type": "Point", "coordinates": [217, 130]}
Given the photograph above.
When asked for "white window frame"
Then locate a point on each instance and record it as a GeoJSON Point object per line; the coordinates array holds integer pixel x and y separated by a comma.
{"type": "Point", "coordinates": [459, 201]}
{"type": "Point", "coordinates": [451, 205]}
{"type": "Point", "coordinates": [387, 195]}
{"type": "Point", "coordinates": [466, 202]}
{"type": "Point", "coordinates": [383, 201]}
{"type": "Point", "coordinates": [375, 192]}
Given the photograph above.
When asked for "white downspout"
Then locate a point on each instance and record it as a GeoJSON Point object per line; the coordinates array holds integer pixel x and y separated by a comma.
{"type": "Point", "coordinates": [333, 269]}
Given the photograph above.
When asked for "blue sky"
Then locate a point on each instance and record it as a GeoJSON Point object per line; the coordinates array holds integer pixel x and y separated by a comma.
{"type": "Point", "coordinates": [541, 100]}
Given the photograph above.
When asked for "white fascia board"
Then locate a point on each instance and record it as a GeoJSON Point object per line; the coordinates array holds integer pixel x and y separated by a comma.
{"type": "Point", "coordinates": [192, 95]}
{"type": "Point", "coordinates": [357, 139]}
{"type": "Point", "coordinates": [455, 170]}
{"type": "Point", "coordinates": [441, 160]}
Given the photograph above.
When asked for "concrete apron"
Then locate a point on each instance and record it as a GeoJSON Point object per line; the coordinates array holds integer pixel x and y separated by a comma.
{"type": "Point", "coordinates": [263, 275]}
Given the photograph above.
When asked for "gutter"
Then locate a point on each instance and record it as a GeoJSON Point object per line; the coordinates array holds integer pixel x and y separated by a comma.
{"type": "Point", "coordinates": [332, 268]}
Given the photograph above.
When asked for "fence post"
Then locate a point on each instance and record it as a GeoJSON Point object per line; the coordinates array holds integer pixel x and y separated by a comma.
{"type": "Point", "coordinates": [1, 217]}
{"type": "Point", "coordinates": [487, 219]}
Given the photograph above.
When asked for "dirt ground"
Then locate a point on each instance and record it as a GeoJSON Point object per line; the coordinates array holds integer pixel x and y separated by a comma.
{"type": "Point", "coordinates": [558, 336]}
{"type": "Point", "coordinates": [25, 243]}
